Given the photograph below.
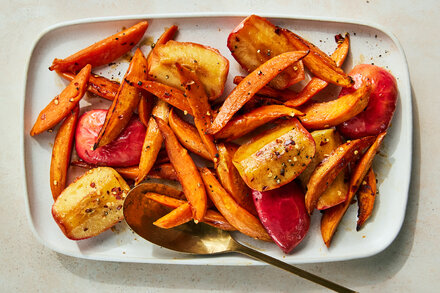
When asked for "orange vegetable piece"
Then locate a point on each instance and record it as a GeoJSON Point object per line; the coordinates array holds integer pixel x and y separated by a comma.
{"type": "Point", "coordinates": [333, 216]}
{"type": "Point", "coordinates": [167, 201]}
{"type": "Point", "coordinates": [328, 114]}
{"type": "Point", "coordinates": [319, 63]}
{"type": "Point", "coordinates": [316, 84]}
{"type": "Point", "coordinates": [198, 101]}
{"type": "Point", "coordinates": [330, 167]}
{"type": "Point", "coordinates": [251, 84]}
{"type": "Point", "coordinates": [188, 136]}
{"type": "Point", "coordinates": [104, 51]}
{"type": "Point", "coordinates": [282, 95]}
{"type": "Point", "coordinates": [126, 100]}
{"type": "Point", "coordinates": [366, 197]}
{"type": "Point", "coordinates": [245, 123]}
{"type": "Point", "coordinates": [237, 216]}
{"type": "Point", "coordinates": [164, 171]}
{"type": "Point", "coordinates": [180, 215]}
{"type": "Point", "coordinates": [63, 104]}
{"type": "Point", "coordinates": [187, 172]}
{"type": "Point", "coordinates": [145, 106]}
{"type": "Point", "coordinates": [61, 151]}
{"type": "Point", "coordinates": [164, 38]}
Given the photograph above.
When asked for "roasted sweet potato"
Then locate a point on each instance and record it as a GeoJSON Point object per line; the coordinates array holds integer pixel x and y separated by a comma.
{"type": "Point", "coordinates": [333, 216]}
{"type": "Point", "coordinates": [198, 101]}
{"type": "Point", "coordinates": [104, 51]}
{"type": "Point", "coordinates": [63, 104]}
{"type": "Point", "coordinates": [126, 100]}
{"type": "Point", "coordinates": [180, 215]}
{"type": "Point", "coordinates": [328, 114]}
{"type": "Point", "coordinates": [237, 216]}
{"type": "Point", "coordinates": [209, 65]}
{"type": "Point", "coordinates": [61, 151]}
{"type": "Point", "coordinates": [241, 125]}
{"type": "Point", "coordinates": [145, 106]}
{"type": "Point", "coordinates": [331, 166]}
{"type": "Point", "coordinates": [276, 156]}
{"type": "Point", "coordinates": [91, 204]}
{"type": "Point", "coordinates": [366, 197]}
{"type": "Point", "coordinates": [251, 84]}
{"type": "Point", "coordinates": [188, 135]}
{"type": "Point", "coordinates": [319, 63]}
{"type": "Point", "coordinates": [282, 95]}
{"type": "Point", "coordinates": [255, 40]}
{"type": "Point", "coordinates": [187, 171]}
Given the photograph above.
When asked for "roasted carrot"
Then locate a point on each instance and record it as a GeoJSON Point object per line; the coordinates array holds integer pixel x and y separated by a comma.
{"type": "Point", "coordinates": [315, 85]}
{"type": "Point", "coordinates": [318, 62]}
{"type": "Point", "coordinates": [167, 201]}
{"type": "Point", "coordinates": [187, 171]}
{"type": "Point", "coordinates": [126, 100]}
{"type": "Point", "coordinates": [245, 123]}
{"type": "Point", "coordinates": [180, 215]}
{"type": "Point", "coordinates": [164, 171]}
{"type": "Point", "coordinates": [145, 106]}
{"type": "Point", "coordinates": [188, 135]}
{"type": "Point", "coordinates": [198, 101]}
{"type": "Point", "coordinates": [153, 141]}
{"type": "Point", "coordinates": [366, 197]}
{"type": "Point", "coordinates": [63, 104]}
{"type": "Point", "coordinates": [251, 84]}
{"type": "Point", "coordinates": [237, 216]}
{"type": "Point", "coordinates": [282, 95]}
{"type": "Point", "coordinates": [98, 85]}
{"type": "Point", "coordinates": [328, 114]}
{"type": "Point", "coordinates": [104, 51]}
{"type": "Point", "coordinates": [330, 167]}
{"type": "Point", "coordinates": [333, 216]}
{"type": "Point", "coordinates": [61, 151]}
{"type": "Point", "coordinates": [259, 101]}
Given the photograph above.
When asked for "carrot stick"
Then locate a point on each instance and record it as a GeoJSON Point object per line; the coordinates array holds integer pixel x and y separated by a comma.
{"type": "Point", "coordinates": [245, 123]}
{"type": "Point", "coordinates": [282, 95]}
{"type": "Point", "coordinates": [63, 104]}
{"type": "Point", "coordinates": [251, 84]}
{"type": "Point", "coordinates": [145, 106]}
{"type": "Point", "coordinates": [164, 171]}
{"type": "Point", "coordinates": [366, 198]}
{"type": "Point", "coordinates": [61, 151]}
{"type": "Point", "coordinates": [165, 200]}
{"type": "Point", "coordinates": [176, 217]}
{"type": "Point", "coordinates": [187, 171]}
{"type": "Point", "coordinates": [104, 51]}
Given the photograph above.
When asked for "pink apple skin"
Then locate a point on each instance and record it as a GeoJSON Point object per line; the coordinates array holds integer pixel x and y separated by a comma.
{"type": "Point", "coordinates": [123, 152]}
{"type": "Point", "coordinates": [283, 213]}
{"type": "Point", "coordinates": [377, 116]}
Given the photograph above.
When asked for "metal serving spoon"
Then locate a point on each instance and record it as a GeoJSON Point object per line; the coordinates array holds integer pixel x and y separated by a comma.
{"type": "Point", "coordinates": [199, 239]}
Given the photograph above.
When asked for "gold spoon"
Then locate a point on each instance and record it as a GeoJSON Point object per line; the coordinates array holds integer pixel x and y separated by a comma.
{"type": "Point", "coordinates": [199, 239]}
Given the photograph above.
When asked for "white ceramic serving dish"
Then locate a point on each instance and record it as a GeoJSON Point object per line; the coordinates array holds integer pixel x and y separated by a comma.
{"type": "Point", "coordinates": [369, 44]}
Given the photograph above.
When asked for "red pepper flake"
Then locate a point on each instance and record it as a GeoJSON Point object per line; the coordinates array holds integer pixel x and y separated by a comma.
{"type": "Point", "coordinates": [119, 207]}
{"type": "Point", "coordinates": [43, 116]}
{"type": "Point", "coordinates": [89, 210]}
{"type": "Point", "coordinates": [339, 38]}
{"type": "Point", "coordinates": [92, 185]}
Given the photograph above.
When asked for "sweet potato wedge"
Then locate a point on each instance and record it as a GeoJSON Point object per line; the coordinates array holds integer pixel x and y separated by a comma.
{"type": "Point", "coordinates": [180, 215]}
{"type": "Point", "coordinates": [187, 171]}
{"type": "Point", "coordinates": [366, 197]}
{"type": "Point", "coordinates": [153, 141]}
{"type": "Point", "coordinates": [230, 178]}
{"type": "Point", "coordinates": [282, 95]}
{"type": "Point", "coordinates": [98, 85]}
{"type": "Point", "coordinates": [319, 63]}
{"type": "Point", "coordinates": [145, 106]}
{"type": "Point", "coordinates": [241, 125]}
{"type": "Point", "coordinates": [198, 101]}
{"type": "Point", "coordinates": [276, 156]}
{"type": "Point", "coordinates": [331, 166]}
{"type": "Point", "coordinates": [333, 216]}
{"type": "Point", "coordinates": [209, 65]}
{"type": "Point", "coordinates": [255, 40]}
{"type": "Point", "coordinates": [126, 100]}
{"type": "Point", "coordinates": [251, 84]}
{"type": "Point", "coordinates": [61, 151]}
{"type": "Point", "coordinates": [104, 51]}
{"type": "Point", "coordinates": [188, 135]}
{"type": "Point", "coordinates": [328, 114]}
{"type": "Point", "coordinates": [63, 104]}
{"type": "Point", "coordinates": [315, 85]}
{"type": "Point", "coordinates": [237, 216]}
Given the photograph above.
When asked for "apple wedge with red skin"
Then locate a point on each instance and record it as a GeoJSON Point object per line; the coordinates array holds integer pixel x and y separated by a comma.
{"type": "Point", "coordinates": [377, 116]}
{"type": "Point", "coordinates": [283, 214]}
{"type": "Point", "coordinates": [124, 151]}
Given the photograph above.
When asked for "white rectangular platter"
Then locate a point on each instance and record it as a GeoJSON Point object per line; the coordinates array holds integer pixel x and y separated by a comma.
{"type": "Point", "coordinates": [369, 44]}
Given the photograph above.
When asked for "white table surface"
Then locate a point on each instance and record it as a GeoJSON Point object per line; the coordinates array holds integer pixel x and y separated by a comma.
{"type": "Point", "coordinates": [410, 264]}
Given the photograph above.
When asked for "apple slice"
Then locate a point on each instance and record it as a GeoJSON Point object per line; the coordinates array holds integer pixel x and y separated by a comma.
{"type": "Point", "coordinates": [210, 66]}
{"type": "Point", "coordinates": [377, 115]}
{"type": "Point", "coordinates": [124, 151]}
{"type": "Point", "coordinates": [255, 40]}
{"type": "Point", "coordinates": [283, 214]}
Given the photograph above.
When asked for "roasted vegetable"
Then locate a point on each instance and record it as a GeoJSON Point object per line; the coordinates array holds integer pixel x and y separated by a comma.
{"type": "Point", "coordinates": [281, 95]}
{"type": "Point", "coordinates": [366, 197]}
{"type": "Point", "coordinates": [276, 156]}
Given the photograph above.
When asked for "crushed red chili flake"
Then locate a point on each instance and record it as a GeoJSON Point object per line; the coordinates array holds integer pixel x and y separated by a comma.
{"type": "Point", "coordinates": [92, 185]}
{"type": "Point", "coordinates": [119, 207]}
{"type": "Point", "coordinates": [339, 38]}
{"type": "Point", "coordinates": [323, 142]}
{"type": "Point", "coordinates": [89, 210]}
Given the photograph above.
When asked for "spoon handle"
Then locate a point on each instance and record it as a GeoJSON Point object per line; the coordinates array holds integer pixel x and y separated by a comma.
{"type": "Point", "coordinates": [294, 270]}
